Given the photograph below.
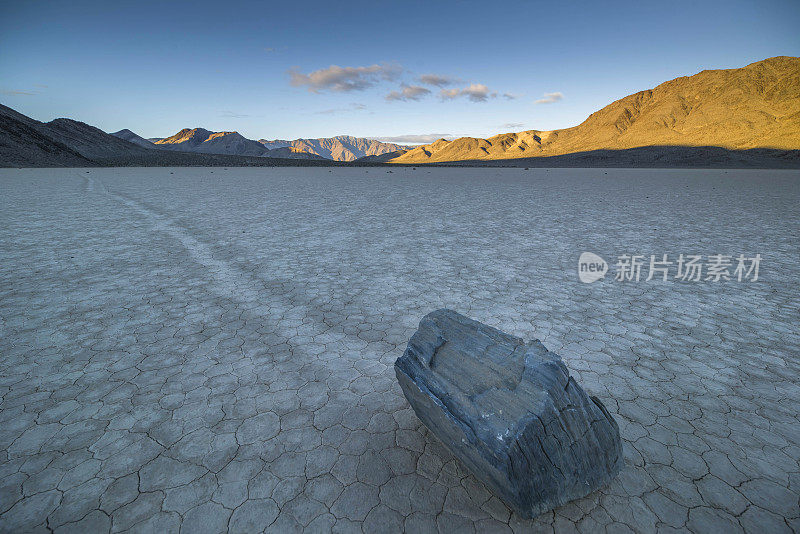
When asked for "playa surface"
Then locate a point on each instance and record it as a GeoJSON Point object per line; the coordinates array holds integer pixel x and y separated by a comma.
{"type": "Point", "coordinates": [210, 349]}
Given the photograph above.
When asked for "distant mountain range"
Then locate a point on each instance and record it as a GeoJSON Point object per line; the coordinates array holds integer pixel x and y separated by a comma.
{"type": "Point", "coordinates": [754, 107]}
{"type": "Point", "coordinates": [25, 142]}
{"type": "Point", "coordinates": [206, 142]}
{"type": "Point", "coordinates": [747, 117]}
{"type": "Point", "coordinates": [341, 148]}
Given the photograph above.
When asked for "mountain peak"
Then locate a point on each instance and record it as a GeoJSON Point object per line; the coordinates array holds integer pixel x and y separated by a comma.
{"type": "Point", "coordinates": [208, 142]}
{"type": "Point", "coordinates": [131, 137]}
{"type": "Point", "coordinates": [190, 135]}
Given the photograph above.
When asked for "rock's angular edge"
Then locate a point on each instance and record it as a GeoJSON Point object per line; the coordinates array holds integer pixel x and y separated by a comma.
{"type": "Point", "coordinates": [510, 411]}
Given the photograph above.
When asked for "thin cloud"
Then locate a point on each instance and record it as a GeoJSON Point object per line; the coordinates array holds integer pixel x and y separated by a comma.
{"type": "Point", "coordinates": [512, 125]}
{"type": "Point", "coordinates": [475, 92]}
{"type": "Point", "coordinates": [438, 80]}
{"type": "Point", "coordinates": [12, 92]}
{"type": "Point", "coordinates": [408, 92]}
{"type": "Point", "coordinates": [415, 139]}
{"type": "Point", "coordinates": [232, 115]}
{"type": "Point", "coordinates": [274, 49]}
{"type": "Point", "coordinates": [510, 96]}
{"type": "Point", "coordinates": [550, 98]}
{"type": "Point", "coordinates": [334, 111]}
{"type": "Point", "coordinates": [343, 79]}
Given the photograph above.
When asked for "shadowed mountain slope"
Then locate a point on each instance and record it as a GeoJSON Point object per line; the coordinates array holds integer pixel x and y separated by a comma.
{"type": "Point", "coordinates": [131, 137]}
{"type": "Point", "coordinates": [23, 143]}
{"type": "Point", "coordinates": [275, 143]}
{"type": "Point", "coordinates": [60, 142]}
{"type": "Point", "coordinates": [654, 157]}
{"type": "Point", "coordinates": [90, 142]}
{"type": "Point", "coordinates": [293, 153]}
{"type": "Point", "coordinates": [757, 106]}
{"type": "Point", "coordinates": [382, 158]}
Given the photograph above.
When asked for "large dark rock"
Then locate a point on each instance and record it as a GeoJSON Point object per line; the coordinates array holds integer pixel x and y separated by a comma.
{"type": "Point", "coordinates": [510, 411]}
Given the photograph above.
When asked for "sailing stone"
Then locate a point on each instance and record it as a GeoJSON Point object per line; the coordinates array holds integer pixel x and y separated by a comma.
{"type": "Point", "coordinates": [510, 411]}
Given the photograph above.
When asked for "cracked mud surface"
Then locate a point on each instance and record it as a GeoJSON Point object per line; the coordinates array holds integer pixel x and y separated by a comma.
{"type": "Point", "coordinates": [204, 350]}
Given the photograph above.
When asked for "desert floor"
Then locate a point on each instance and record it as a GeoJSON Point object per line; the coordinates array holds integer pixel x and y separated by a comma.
{"type": "Point", "coordinates": [210, 349]}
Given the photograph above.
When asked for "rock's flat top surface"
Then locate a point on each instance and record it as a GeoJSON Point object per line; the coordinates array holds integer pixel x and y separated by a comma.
{"type": "Point", "coordinates": [477, 373]}
{"type": "Point", "coordinates": [217, 349]}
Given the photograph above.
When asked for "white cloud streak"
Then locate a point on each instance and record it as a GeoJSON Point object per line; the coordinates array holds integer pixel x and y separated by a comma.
{"type": "Point", "coordinates": [475, 92]}
{"type": "Point", "coordinates": [550, 98]}
{"type": "Point", "coordinates": [343, 79]}
{"type": "Point", "coordinates": [408, 92]}
{"type": "Point", "coordinates": [438, 80]}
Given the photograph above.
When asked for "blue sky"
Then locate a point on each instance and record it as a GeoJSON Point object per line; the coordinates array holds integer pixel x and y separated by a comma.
{"type": "Point", "coordinates": [264, 69]}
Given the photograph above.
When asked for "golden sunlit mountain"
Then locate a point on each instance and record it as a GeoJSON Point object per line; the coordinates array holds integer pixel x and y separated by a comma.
{"type": "Point", "coordinates": [757, 106]}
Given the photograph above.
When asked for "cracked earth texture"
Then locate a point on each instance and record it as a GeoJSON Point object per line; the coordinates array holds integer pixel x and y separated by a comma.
{"type": "Point", "coordinates": [202, 350]}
